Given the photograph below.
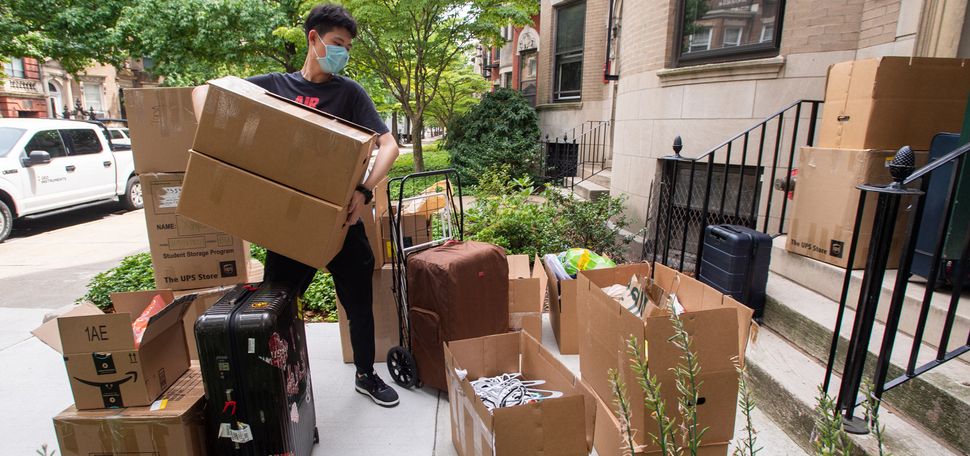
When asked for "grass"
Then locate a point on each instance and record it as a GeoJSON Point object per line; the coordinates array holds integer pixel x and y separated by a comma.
{"type": "Point", "coordinates": [435, 158]}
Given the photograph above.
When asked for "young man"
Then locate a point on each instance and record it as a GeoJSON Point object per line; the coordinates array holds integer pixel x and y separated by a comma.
{"type": "Point", "coordinates": [330, 30]}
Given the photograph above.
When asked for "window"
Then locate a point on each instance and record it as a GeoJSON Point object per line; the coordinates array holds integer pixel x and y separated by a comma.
{"type": "Point", "coordinates": [570, 24]}
{"type": "Point", "coordinates": [507, 80]}
{"type": "Point", "coordinates": [92, 97]}
{"type": "Point", "coordinates": [82, 141]}
{"type": "Point", "coordinates": [726, 30]}
{"type": "Point", "coordinates": [48, 141]}
{"type": "Point", "coordinates": [8, 137]}
{"type": "Point", "coordinates": [527, 76]}
{"type": "Point", "coordinates": [116, 134]}
{"type": "Point", "coordinates": [732, 36]}
{"type": "Point", "coordinates": [14, 68]}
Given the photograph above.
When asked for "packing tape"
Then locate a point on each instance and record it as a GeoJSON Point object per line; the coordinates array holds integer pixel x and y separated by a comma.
{"type": "Point", "coordinates": [293, 208]}
{"type": "Point", "coordinates": [66, 437]}
{"type": "Point", "coordinates": [247, 134]}
{"type": "Point", "coordinates": [220, 179]}
{"type": "Point", "coordinates": [294, 156]}
{"type": "Point", "coordinates": [225, 109]}
{"type": "Point", "coordinates": [163, 105]}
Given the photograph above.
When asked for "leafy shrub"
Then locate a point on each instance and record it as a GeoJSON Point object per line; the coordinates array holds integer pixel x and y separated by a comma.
{"type": "Point", "coordinates": [434, 159]}
{"type": "Point", "coordinates": [501, 130]}
{"type": "Point", "coordinates": [584, 223]}
{"type": "Point", "coordinates": [320, 297]}
{"type": "Point", "coordinates": [134, 273]}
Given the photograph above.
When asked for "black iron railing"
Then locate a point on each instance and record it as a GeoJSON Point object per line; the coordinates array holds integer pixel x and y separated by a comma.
{"type": "Point", "coordinates": [577, 155]}
{"type": "Point", "coordinates": [727, 185]}
{"type": "Point", "coordinates": [889, 200]}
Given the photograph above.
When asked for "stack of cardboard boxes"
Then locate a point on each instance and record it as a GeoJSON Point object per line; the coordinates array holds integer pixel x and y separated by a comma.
{"type": "Point", "coordinates": [872, 108]}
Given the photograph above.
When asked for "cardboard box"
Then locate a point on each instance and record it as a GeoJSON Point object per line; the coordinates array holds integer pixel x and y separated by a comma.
{"type": "Point", "coordinates": [162, 126]}
{"type": "Point", "coordinates": [718, 325]}
{"type": "Point", "coordinates": [284, 141]}
{"type": "Point", "coordinates": [173, 425]}
{"type": "Point", "coordinates": [561, 427]}
{"type": "Point", "coordinates": [609, 440]}
{"type": "Point", "coordinates": [105, 368]}
{"type": "Point", "coordinates": [415, 229]}
{"type": "Point", "coordinates": [205, 298]}
{"type": "Point", "coordinates": [386, 332]}
{"type": "Point", "coordinates": [890, 102]}
{"type": "Point", "coordinates": [187, 254]}
{"type": "Point", "coordinates": [824, 208]}
{"type": "Point", "coordinates": [527, 293]}
{"type": "Point", "coordinates": [288, 222]}
{"type": "Point", "coordinates": [563, 311]}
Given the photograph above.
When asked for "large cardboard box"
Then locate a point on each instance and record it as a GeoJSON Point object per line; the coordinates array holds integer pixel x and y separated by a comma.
{"type": "Point", "coordinates": [415, 230]}
{"type": "Point", "coordinates": [889, 102]}
{"type": "Point", "coordinates": [284, 141]}
{"type": "Point", "coordinates": [172, 425]}
{"type": "Point", "coordinates": [386, 332]}
{"type": "Point", "coordinates": [527, 293]}
{"type": "Point", "coordinates": [105, 368]}
{"type": "Point", "coordinates": [288, 222]}
{"type": "Point", "coordinates": [824, 208]}
{"type": "Point", "coordinates": [162, 125]}
{"type": "Point", "coordinates": [187, 254]}
{"type": "Point", "coordinates": [718, 325]}
{"type": "Point", "coordinates": [563, 311]}
{"type": "Point", "coordinates": [609, 440]}
{"type": "Point", "coordinates": [204, 299]}
{"type": "Point", "coordinates": [561, 427]}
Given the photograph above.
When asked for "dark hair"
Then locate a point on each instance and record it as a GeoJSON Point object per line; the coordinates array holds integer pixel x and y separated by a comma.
{"type": "Point", "coordinates": [328, 16]}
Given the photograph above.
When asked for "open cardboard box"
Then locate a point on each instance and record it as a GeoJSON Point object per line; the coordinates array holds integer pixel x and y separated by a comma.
{"type": "Point", "coordinates": [105, 368]}
{"type": "Point", "coordinates": [561, 427]}
{"type": "Point", "coordinates": [719, 327]}
{"type": "Point", "coordinates": [527, 293]}
{"type": "Point", "coordinates": [172, 425]}
{"type": "Point", "coordinates": [563, 311]}
{"type": "Point", "coordinates": [386, 329]}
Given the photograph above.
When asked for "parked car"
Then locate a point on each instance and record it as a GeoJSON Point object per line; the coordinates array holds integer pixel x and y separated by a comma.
{"type": "Point", "coordinates": [119, 135]}
{"type": "Point", "coordinates": [49, 165]}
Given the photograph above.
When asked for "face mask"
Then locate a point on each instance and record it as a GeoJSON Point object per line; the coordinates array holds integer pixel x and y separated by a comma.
{"type": "Point", "coordinates": [335, 61]}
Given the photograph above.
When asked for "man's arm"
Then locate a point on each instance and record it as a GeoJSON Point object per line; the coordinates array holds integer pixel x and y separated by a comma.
{"type": "Point", "coordinates": [387, 152]}
{"type": "Point", "coordinates": [198, 100]}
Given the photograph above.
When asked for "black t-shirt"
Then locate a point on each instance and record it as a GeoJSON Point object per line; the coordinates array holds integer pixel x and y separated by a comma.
{"type": "Point", "coordinates": [339, 96]}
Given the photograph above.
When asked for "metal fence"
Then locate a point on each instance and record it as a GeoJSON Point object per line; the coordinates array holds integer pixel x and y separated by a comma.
{"type": "Point", "coordinates": [731, 183]}
{"type": "Point", "coordinates": [577, 155]}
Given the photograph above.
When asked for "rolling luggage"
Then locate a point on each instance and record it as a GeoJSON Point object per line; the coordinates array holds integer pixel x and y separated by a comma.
{"type": "Point", "coordinates": [458, 290]}
{"type": "Point", "coordinates": [735, 262]}
{"type": "Point", "coordinates": [253, 357]}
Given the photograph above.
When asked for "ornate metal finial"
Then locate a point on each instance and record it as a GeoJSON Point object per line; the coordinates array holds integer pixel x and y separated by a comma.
{"type": "Point", "coordinates": [902, 165]}
{"type": "Point", "coordinates": [678, 146]}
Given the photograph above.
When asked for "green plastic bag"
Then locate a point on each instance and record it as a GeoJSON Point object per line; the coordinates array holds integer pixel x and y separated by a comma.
{"type": "Point", "coordinates": [575, 260]}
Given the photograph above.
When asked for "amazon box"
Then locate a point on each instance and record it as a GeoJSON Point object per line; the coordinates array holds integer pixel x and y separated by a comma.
{"type": "Point", "coordinates": [272, 215]}
{"type": "Point", "coordinates": [562, 426]}
{"type": "Point", "coordinates": [162, 126]}
{"type": "Point", "coordinates": [824, 212]}
{"type": "Point", "coordinates": [890, 102]}
{"type": "Point", "coordinates": [386, 332]}
{"type": "Point", "coordinates": [172, 425]}
{"type": "Point", "coordinates": [284, 141]}
{"type": "Point", "coordinates": [527, 293]}
{"type": "Point", "coordinates": [718, 325]}
{"type": "Point", "coordinates": [563, 311]}
{"type": "Point", "coordinates": [105, 368]}
{"type": "Point", "coordinates": [187, 254]}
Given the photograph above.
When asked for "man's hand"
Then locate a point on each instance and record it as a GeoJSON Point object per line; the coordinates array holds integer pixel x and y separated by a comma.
{"type": "Point", "coordinates": [357, 208]}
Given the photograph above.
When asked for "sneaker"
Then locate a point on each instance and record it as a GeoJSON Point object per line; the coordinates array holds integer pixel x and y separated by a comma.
{"type": "Point", "coordinates": [372, 385]}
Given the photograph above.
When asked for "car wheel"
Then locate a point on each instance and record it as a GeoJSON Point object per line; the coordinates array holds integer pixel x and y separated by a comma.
{"type": "Point", "coordinates": [6, 221]}
{"type": "Point", "coordinates": [132, 199]}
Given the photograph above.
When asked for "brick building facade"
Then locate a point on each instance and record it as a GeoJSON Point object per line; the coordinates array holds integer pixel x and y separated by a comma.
{"type": "Point", "coordinates": [711, 75]}
{"type": "Point", "coordinates": [513, 65]}
{"type": "Point", "coordinates": [21, 91]}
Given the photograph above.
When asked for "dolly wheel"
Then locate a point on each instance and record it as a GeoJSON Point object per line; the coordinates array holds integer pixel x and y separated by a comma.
{"type": "Point", "coordinates": [403, 369]}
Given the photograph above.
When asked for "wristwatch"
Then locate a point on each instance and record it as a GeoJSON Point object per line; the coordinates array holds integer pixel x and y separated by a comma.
{"type": "Point", "coordinates": [368, 195]}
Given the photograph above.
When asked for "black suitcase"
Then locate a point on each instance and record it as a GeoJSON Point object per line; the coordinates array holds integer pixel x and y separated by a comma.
{"type": "Point", "coordinates": [253, 357]}
{"type": "Point", "coordinates": [735, 262]}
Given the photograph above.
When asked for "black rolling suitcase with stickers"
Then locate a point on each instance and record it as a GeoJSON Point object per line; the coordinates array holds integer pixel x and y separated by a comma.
{"type": "Point", "coordinates": [253, 356]}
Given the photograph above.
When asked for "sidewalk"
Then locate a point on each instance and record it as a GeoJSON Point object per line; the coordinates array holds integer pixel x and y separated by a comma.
{"type": "Point", "coordinates": [36, 389]}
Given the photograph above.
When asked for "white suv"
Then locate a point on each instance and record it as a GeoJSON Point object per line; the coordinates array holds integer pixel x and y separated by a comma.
{"type": "Point", "coordinates": [48, 165]}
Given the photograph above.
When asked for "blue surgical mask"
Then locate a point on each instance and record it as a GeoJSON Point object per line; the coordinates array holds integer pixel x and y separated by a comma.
{"type": "Point", "coordinates": [335, 61]}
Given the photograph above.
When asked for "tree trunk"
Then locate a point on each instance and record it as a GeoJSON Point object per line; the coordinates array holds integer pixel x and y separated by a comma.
{"type": "Point", "coordinates": [394, 132]}
{"type": "Point", "coordinates": [417, 125]}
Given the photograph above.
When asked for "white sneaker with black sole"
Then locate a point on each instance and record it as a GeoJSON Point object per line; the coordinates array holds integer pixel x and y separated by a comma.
{"type": "Point", "coordinates": [372, 386]}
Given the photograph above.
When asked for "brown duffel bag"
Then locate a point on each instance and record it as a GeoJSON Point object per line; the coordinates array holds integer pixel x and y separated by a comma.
{"type": "Point", "coordinates": [456, 291]}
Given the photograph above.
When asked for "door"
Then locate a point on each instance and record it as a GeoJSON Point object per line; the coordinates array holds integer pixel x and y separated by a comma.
{"type": "Point", "coordinates": [94, 174]}
{"type": "Point", "coordinates": [47, 186]}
